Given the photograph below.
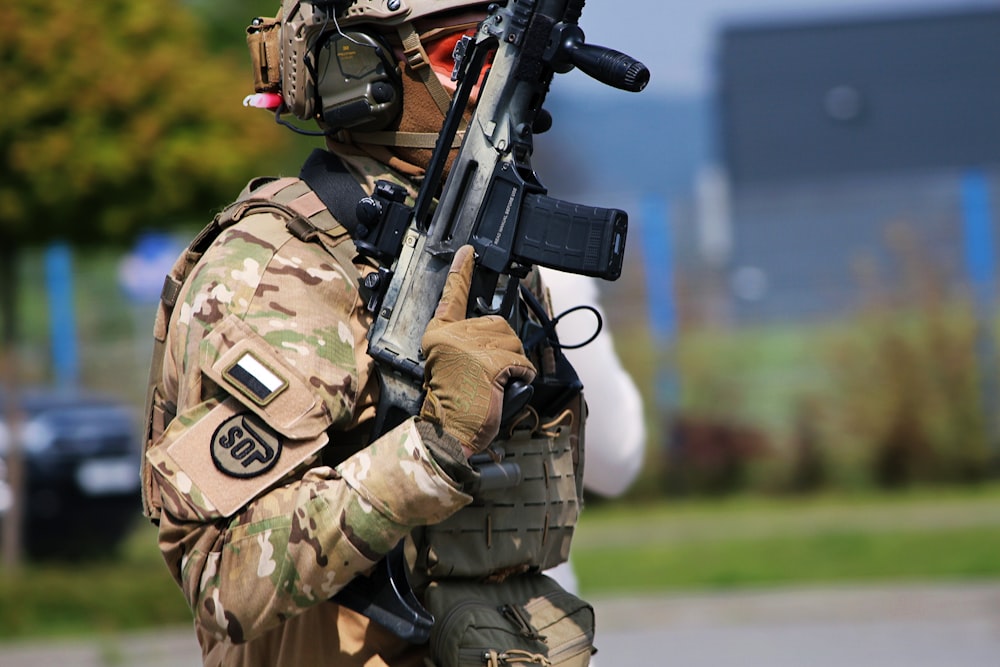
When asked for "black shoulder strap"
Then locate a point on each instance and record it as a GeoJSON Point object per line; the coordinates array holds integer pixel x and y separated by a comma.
{"type": "Point", "coordinates": [327, 176]}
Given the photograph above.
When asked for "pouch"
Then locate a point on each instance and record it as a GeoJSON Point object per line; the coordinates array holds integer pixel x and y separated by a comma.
{"type": "Point", "coordinates": [262, 40]}
{"type": "Point", "coordinates": [524, 620]}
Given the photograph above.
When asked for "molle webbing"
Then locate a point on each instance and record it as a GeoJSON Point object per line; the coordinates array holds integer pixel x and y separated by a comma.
{"type": "Point", "coordinates": [305, 217]}
{"type": "Point", "coordinates": [527, 528]}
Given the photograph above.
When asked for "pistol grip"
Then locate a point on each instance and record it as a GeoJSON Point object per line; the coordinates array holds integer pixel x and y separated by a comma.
{"type": "Point", "coordinates": [516, 396]}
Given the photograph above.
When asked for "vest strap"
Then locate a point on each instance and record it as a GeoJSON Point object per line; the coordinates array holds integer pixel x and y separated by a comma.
{"type": "Point", "coordinates": [406, 139]}
{"type": "Point", "coordinates": [420, 63]}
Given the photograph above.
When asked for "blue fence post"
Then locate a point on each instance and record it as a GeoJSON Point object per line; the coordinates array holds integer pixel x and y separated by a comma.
{"type": "Point", "coordinates": [980, 254]}
{"type": "Point", "coordinates": [981, 266]}
{"type": "Point", "coordinates": [62, 320]}
{"type": "Point", "coordinates": [656, 245]}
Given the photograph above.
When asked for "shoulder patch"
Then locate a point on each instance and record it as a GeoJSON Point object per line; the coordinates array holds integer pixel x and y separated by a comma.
{"type": "Point", "coordinates": [249, 369]}
{"type": "Point", "coordinates": [244, 446]}
{"type": "Point", "coordinates": [230, 456]}
{"type": "Point", "coordinates": [252, 376]}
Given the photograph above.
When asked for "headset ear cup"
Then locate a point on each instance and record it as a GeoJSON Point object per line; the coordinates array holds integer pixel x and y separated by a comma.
{"type": "Point", "coordinates": [358, 87]}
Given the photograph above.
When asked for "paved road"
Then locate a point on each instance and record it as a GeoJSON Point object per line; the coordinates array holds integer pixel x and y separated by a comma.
{"type": "Point", "coordinates": [906, 626]}
{"type": "Point", "coordinates": [912, 626]}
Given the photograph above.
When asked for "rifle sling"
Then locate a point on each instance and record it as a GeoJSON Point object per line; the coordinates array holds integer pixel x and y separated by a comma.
{"type": "Point", "coordinates": [327, 176]}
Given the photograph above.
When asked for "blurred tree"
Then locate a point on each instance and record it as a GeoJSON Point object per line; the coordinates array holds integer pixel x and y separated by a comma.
{"type": "Point", "coordinates": [224, 23]}
{"type": "Point", "coordinates": [118, 117]}
{"type": "Point", "coordinates": [224, 20]}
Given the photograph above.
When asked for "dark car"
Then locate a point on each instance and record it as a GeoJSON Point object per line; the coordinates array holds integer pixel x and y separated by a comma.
{"type": "Point", "coordinates": [81, 456]}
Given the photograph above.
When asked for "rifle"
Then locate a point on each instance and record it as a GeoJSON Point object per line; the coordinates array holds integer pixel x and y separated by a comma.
{"type": "Point", "coordinates": [492, 200]}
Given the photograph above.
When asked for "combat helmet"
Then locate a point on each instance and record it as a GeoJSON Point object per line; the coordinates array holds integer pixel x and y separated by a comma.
{"type": "Point", "coordinates": [345, 64]}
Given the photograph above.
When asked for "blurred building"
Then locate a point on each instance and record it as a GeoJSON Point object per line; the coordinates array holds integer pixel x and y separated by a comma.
{"type": "Point", "coordinates": [852, 150]}
{"type": "Point", "coordinates": [831, 152]}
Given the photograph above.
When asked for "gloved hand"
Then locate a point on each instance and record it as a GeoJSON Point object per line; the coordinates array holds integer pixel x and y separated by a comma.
{"type": "Point", "coordinates": [469, 361]}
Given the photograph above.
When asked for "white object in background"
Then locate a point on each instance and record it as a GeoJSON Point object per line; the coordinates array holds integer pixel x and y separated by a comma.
{"type": "Point", "coordinates": [616, 430]}
{"type": "Point", "coordinates": [6, 495]}
{"type": "Point", "coordinates": [615, 436]}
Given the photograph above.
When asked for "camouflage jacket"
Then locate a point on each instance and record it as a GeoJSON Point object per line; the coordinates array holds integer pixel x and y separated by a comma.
{"type": "Point", "coordinates": [272, 499]}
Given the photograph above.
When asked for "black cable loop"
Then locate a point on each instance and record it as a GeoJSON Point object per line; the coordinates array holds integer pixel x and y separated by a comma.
{"type": "Point", "coordinates": [597, 331]}
{"type": "Point", "coordinates": [294, 128]}
{"type": "Point", "coordinates": [549, 324]}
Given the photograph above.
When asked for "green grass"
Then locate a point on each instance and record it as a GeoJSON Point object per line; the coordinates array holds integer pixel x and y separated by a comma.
{"type": "Point", "coordinates": [128, 591]}
{"type": "Point", "coordinates": [943, 535]}
{"type": "Point", "coordinates": [690, 545]}
{"type": "Point", "coordinates": [824, 558]}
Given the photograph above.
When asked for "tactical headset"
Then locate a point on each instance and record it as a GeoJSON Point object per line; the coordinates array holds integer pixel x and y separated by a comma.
{"type": "Point", "coordinates": [326, 67]}
{"type": "Point", "coordinates": [343, 80]}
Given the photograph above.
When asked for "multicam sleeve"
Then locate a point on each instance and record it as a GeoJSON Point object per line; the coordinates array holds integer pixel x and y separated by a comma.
{"type": "Point", "coordinates": [262, 556]}
{"type": "Point", "coordinates": [298, 544]}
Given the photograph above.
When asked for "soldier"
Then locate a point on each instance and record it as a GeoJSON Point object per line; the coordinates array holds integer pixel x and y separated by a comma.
{"type": "Point", "coordinates": [270, 492]}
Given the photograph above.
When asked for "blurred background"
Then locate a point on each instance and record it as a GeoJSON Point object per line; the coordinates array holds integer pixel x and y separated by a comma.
{"type": "Point", "coordinates": [808, 307]}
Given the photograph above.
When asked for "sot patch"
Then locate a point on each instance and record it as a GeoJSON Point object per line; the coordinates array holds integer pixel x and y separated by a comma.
{"type": "Point", "coordinates": [244, 446]}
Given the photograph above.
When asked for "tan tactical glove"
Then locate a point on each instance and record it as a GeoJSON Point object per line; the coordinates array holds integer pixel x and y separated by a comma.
{"type": "Point", "coordinates": [469, 361]}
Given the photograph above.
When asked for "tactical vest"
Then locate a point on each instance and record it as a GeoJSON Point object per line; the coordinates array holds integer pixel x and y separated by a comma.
{"type": "Point", "coordinates": [525, 528]}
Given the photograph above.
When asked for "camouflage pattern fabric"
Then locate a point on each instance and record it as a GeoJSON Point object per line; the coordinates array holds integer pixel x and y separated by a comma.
{"type": "Point", "coordinates": [265, 361]}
